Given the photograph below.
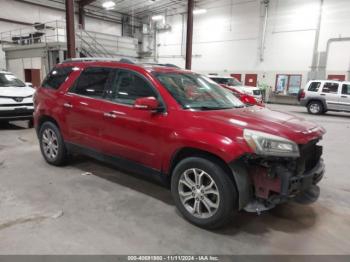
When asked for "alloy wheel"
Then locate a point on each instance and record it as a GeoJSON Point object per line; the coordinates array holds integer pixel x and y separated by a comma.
{"type": "Point", "coordinates": [198, 193]}
{"type": "Point", "coordinates": [50, 144]}
{"type": "Point", "coordinates": [315, 108]}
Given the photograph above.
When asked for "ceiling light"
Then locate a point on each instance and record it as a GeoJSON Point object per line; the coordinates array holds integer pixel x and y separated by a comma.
{"type": "Point", "coordinates": [108, 5]}
{"type": "Point", "coordinates": [157, 17]}
{"type": "Point", "coordinates": [199, 11]}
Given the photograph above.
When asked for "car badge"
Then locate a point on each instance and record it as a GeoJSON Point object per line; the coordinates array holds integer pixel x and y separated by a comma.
{"type": "Point", "coordinates": [18, 99]}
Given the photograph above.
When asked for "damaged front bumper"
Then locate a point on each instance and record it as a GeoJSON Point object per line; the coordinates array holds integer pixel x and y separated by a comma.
{"type": "Point", "coordinates": [271, 181]}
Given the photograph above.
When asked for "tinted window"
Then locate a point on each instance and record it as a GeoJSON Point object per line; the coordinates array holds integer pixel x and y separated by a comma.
{"type": "Point", "coordinates": [128, 86]}
{"type": "Point", "coordinates": [314, 86]}
{"type": "Point", "coordinates": [56, 77]}
{"type": "Point", "coordinates": [92, 82]}
{"type": "Point", "coordinates": [346, 89]}
{"type": "Point", "coordinates": [330, 88]}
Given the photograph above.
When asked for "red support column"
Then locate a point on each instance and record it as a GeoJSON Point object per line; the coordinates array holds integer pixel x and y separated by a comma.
{"type": "Point", "coordinates": [70, 30]}
{"type": "Point", "coordinates": [189, 35]}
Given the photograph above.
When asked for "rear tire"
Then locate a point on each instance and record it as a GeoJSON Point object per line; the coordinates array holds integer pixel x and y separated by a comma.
{"type": "Point", "coordinates": [315, 108]}
{"type": "Point", "coordinates": [52, 145]}
{"type": "Point", "coordinates": [203, 192]}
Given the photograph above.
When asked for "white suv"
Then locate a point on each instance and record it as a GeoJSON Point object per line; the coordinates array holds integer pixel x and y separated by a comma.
{"type": "Point", "coordinates": [320, 96]}
{"type": "Point", "coordinates": [16, 98]}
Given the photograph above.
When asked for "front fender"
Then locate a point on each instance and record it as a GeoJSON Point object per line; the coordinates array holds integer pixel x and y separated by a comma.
{"type": "Point", "coordinates": [221, 146]}
{"type": "Point", "coordinates": [227, 149]}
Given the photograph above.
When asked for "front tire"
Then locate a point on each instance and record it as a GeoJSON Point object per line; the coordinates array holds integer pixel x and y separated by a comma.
{"type": "Point", "coordinates": [52, 145]}
{"type": "Point", "coordinates": [203, 192]}
{"type": "Point", "coordinates": [315, 108]}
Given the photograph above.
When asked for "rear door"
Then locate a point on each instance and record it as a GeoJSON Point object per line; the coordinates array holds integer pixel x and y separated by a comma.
{"type": "Point", "coordinates": [84, 117]}
{"type": "Point", "coordinates": [345, 97]}
{"type": "Point", "coordinates": [331, 92]}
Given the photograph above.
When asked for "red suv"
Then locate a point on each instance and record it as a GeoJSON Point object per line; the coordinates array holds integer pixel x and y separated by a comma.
{"type": "Point", "coordinates": [217, 155]}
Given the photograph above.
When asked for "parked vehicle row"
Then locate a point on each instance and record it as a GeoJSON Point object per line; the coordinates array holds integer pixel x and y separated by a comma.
{"type": "Point", "coordinates": [217, 155]}
{"type": "Point", "coordinates": [320, 96]}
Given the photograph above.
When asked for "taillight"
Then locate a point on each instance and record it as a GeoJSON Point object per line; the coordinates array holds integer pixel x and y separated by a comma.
{"type": "Point", "coordinates": [301, 94]}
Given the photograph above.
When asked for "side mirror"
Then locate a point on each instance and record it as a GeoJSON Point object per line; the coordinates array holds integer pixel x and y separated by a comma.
{"type": "Point", "coordinates": [146, 103]}
{"type": "Point", "coordinates": [28, 84]}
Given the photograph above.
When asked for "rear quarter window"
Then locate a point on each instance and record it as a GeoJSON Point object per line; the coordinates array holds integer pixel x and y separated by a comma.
{"type": "Point", "coordinates": [57, 77]}
{"type": "Point", "coordinates": [314, 86]}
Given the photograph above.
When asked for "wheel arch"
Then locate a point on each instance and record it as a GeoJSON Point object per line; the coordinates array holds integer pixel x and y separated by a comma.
{"type": "Point", "coordinates": [236, 171]}
{"type": "Point", "coordinates": [46, 118]}
{"type": "Point", "coordinates": [322, 101]}
{"type": "Point", "coordinates": [185, 152]}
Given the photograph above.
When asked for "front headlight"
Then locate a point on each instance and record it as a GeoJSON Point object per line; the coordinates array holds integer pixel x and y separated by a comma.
{"type": "Point", "coordinates": [270, 145]}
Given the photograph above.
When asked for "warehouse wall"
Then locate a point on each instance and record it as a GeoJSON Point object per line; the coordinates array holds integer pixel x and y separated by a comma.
{"type": "Point", "coordinates": [25, 12]}
{"type": "Point", "coordinates": [227, 38]}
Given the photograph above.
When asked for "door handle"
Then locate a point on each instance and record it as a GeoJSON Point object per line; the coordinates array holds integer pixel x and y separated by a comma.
{"type": "Point", "coordinates": [322, 94]}
{"type": "Point", "coordinates": [110, 115]}
{"type": "Point", "coordinates": [344, 96]}
{"type": "Point", "coordinates": [67, 105]}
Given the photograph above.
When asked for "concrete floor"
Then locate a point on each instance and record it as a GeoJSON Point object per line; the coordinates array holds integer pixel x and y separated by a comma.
{"type": "Point", "coordinates": [49, 210]}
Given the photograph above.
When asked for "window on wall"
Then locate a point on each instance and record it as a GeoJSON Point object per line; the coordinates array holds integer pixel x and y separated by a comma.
{"type": "Point", "coordinates": [288, 84]}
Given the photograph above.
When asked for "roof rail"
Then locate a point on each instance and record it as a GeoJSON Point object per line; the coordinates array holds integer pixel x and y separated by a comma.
{"type": "Point", "coordinates": [126, 61]}
{"type": "Point", "coordinates": [105, 59]}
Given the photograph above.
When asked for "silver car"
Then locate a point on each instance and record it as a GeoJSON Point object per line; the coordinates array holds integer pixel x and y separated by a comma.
{"type": "Point", "coordinates": [320, 96]}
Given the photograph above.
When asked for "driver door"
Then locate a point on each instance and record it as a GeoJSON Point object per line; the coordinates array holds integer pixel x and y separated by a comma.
{"type": "Point", "coordinates": [128, 132]}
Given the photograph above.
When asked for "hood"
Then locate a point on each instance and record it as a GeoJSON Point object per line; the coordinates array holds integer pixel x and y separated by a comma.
{"type": "Point", "coordinates": [265, 120]}
{"type": "Point", "coordinates": [16, 91]}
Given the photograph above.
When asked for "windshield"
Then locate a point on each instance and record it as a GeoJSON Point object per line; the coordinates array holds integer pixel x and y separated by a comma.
{"type": "Point", "coordinates": [193, 91]}
{"type": "Point", "coordinates": [7, 80]}
{"type": "Point", "coordinates": [226, 81]}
